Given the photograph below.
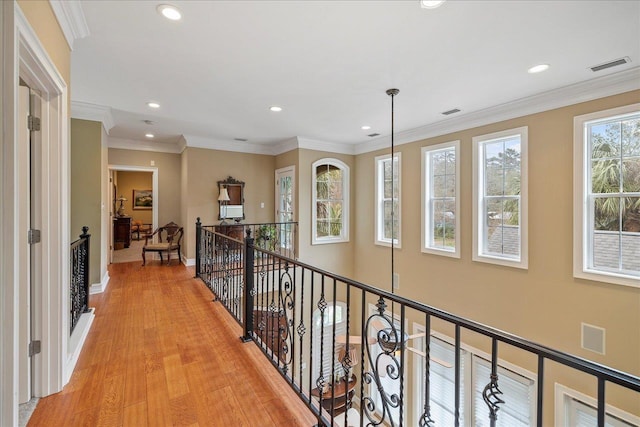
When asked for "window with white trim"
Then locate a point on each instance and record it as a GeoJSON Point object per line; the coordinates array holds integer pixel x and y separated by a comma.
{"type": "Point", "coordinates": [330, 200]}
{"type": "Point", "coordinates": [500, 198]}
{"type": "Point", "coordinates": [323, 340]}
{"type": "Point", "coordinates": [607, 196]}
{"type": "Point", "coordinates": [575, 409]}
{"type": "Point", "coordinates": [388, 199]}
{"type": "Point", "coordinates": [441, 204]}
{"type": "Point", "coordinates": [519, 392]}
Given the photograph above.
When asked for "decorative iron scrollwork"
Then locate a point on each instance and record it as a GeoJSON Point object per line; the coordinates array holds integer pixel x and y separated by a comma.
{"type": "Point", "coordinates": [491, 397]}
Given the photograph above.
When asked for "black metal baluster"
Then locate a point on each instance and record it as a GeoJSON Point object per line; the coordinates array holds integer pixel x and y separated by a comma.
{"type": "Point", "coordinates": [539, 406]}
{"type": "Point", "coordinates": [198, 247]}
{"type": "Point", "coordinates": [425, 417]}
{"type": "Point", "coordinates": [491, 392]}
{"type": "Point", "coordinates": [301, 328]}
{"type": "Point", "coordinates": [402, 362]}
{"type": "Point", "coordinates": [333, 354]}
{"type": "Point", "coordinates": [364, 342]}
{"type": "Point", "coordinates": [457, 376]}
{"type": "Point", "coordinates": [248, 294]}
{"type": "Point", "coordinates": [601, 402]}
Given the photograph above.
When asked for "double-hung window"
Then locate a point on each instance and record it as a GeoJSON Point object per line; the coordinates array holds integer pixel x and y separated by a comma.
{"type": "Point", "coordinates": [519, 392]}
{"type": "Point", "coordinates": [330, 213]}
{"type": "Point", "coordinates": [388, 200]}
{"type": "Point", "coordinates": [607, 196]}
{"type": "Point", "coordinates": [500, 198]}
{"type": "Point", "coordinates": [441, 204]}
{"type": "Point", "coordinates": [575, 409]}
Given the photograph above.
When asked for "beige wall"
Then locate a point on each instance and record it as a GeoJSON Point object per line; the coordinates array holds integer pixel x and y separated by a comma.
{"type": "Point", "coordinates": [86, 187]}
{"type": "Point", "coordinates": [168, 164]}
{"type": "Point", "coordinates": [129, 181]}
{"type": "Point", "coordinates": [544, 303]}
{"type": "Point", "coordinates": [206, 167]}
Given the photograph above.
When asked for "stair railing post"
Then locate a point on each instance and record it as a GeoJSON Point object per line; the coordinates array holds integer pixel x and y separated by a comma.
{"type": "Point", "coordinates": [198, 244]}
{"type": "Point", "coordinates": [248, 287]}
{"type": "Point", "coordinates": [85, 280]}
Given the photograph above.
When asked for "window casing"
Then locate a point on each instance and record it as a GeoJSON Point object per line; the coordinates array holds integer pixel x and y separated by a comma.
{"type": "Point", "coordinates": [440, 203]}
{"type": "Point", "coordinates": [500, 202]}
{"type": "Point", "coordinates": [330, 200]}
{"type": "Point", "coordinates": [607, 196]}
{"type": "Point", "coordinates": [516, 384]}
{"type": "Point", "coordinates": [388, 198]}
{"type": "Point", "coordinates": [575, 409]}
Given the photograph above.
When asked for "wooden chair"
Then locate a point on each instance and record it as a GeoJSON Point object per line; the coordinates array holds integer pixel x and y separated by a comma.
{"type": "Point", "coordinates": [138, 227]}
{"type": "Point", "coordinates": [169, 237]}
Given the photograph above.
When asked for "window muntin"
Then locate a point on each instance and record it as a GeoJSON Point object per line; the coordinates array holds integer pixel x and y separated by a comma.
{"type": "Point", "coordinates": [607, 196]}
{"type": "Point", "coordinates": [388, 198]}
{"type": "Point", "coordinates": [500, 188]}
{"type": "Point", "coordinates": [441, 204]}
{"type": "Point", "coordinates": [330, 201]}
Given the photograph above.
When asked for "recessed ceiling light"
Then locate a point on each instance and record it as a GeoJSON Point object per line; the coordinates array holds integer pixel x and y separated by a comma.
{"type": "Point", "coordinates": [169, 12]}
{"type": "Point", "coordinates": [275, 108]}
{"type": "Point", "coordinates": [149, 135]}
{"type": "Point", "coordinates": [538, 68]}
{"type": "Point", "coordinates": [365, 127]}
{"type": "Point", "coordinates": [153, 104]}
{"type": "Point", "coordinates": [431, 4]}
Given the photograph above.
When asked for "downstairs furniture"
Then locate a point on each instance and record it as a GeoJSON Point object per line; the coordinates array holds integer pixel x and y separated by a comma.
{"type": "Point", "coordinates": [121, 232]}
{"type": "Point", "coordinates": [337, 395]}
{"type": "Point", "coordinates": [168, 240]}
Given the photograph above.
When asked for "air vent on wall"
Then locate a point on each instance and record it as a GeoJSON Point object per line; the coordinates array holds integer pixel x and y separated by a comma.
{"type": "Point", "coordinates": [593, 338]}
{"type": "Point", "coordinates": [610, 64]}
{"type": "Point", "coordinates": [373, 134]}
{"type": "Point", "coordinates": [455, 110]}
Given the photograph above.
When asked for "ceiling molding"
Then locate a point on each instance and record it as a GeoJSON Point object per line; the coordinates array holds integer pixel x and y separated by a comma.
{"type": "Point", "coordinates": [97, 113]}
{"type": "Point", "coordinates": [332, 147]}
{"type": "Point", "coordinates": [216, 144]}
{"type": "Point", "coordinates": [285, 146]}
{"type": "Point", "coordinates": [71, 19]}
{"type": "Point", "coordinates": [130, 144]}
{"type": "Point", "coordinates": [589, 90]}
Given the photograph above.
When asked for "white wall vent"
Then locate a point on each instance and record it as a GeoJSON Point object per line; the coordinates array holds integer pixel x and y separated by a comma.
{"type": "Point", "coordinates": [593, 338]}
{"type": "Point", "coordinates": [610, 64]}
{"type": "Point", "coordinates": [455, 110]}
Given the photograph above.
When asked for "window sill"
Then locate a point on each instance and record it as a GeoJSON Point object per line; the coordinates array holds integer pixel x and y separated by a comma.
{"type": "Point", "coordinates": [607, 277]}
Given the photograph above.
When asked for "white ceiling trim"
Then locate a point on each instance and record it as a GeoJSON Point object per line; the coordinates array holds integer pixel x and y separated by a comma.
{"type": "Point", "coordinates": [600, 87]}
{"type": "Point", "coordinates": [97, 113]}
{"type": "Point", "coordinates": [285, 146]}
{"type": "Point", "coordinates": [158, 147]}
{"type": "Point", "coordinates": [332, 147]}
{"type": "Point", "coordinates": [237, 146]}
{"type": "Point", "coordinates": [71, 19]}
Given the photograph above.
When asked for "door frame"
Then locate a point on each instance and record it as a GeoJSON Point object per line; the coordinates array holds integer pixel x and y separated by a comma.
{"type": "Point", "coordinates": [287, 170]}
{"type": "Point", "coordinates": [155, 191]}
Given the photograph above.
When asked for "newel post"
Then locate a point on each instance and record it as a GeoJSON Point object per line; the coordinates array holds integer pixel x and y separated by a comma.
{"type": "Point", "coordinates": [198, 243]}
{"type": "Point", "coordinates": [248, 287]}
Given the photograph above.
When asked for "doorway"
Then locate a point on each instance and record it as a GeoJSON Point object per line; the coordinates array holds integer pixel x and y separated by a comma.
{"type": "Point", "coordinates": [134, 200]}
{"type": "Point", "coordinates": [285, 205]}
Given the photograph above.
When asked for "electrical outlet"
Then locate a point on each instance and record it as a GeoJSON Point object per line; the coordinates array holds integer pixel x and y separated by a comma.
{"type": "Point", "coordinates": [396, 281]}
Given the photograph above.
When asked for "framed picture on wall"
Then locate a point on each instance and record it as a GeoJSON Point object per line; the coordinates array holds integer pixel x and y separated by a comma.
{"type": "Point", "coordinates": [142, 199]}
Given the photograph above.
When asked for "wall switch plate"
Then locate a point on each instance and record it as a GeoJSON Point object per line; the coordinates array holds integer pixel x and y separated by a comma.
{"type": "Point", "coordinates": [262, 205]}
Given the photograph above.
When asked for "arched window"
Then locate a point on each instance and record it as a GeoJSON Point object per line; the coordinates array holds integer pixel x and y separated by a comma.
{"type": "Point", "coordinates": [330, 209]}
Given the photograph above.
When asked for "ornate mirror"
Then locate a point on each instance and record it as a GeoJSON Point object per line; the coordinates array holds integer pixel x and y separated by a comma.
{"type": "Point", "coordinates": [231, 199]}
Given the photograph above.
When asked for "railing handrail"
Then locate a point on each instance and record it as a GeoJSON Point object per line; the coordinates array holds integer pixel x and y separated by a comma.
{"type": "Point", "coordinates": [585, 365]}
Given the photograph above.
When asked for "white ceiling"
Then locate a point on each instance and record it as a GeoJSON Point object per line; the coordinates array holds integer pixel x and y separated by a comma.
{"type": "Point", "coordinates": [328, 63]}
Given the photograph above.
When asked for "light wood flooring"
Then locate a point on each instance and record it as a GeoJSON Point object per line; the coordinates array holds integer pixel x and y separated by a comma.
{"type": "Point", "coordinates": [161, 353]}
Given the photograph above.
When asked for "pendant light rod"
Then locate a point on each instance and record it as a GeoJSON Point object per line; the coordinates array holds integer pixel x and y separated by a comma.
{"type": "Point", "coordinates": [392, 93]}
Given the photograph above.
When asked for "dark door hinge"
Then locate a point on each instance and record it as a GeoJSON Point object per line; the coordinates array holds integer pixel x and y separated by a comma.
{"type": "Point", "coordinates": [33, 236]}
{"type": "Point", "coordinates": [34, 348]}
{"type": "Point", "coordinates": [33, 123]}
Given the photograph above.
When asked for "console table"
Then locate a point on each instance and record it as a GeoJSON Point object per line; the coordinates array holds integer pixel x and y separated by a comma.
{"type": "Point", "coordinates": [336, 395]}
{"type": "Point", "coordinates": [235, 231]}
{"type": "Point", "coordinates": [121, 232]}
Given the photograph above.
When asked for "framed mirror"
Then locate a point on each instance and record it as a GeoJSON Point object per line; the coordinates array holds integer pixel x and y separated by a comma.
{"type": "Point", "coordinates": [233, 208]}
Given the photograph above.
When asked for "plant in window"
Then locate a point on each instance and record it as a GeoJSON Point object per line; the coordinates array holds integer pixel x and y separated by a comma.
{"type": "Point", "coordinates": [266, 237]}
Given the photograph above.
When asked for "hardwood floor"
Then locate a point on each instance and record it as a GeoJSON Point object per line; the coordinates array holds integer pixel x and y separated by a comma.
{"type": "Point", "coordinates": [161, 353]}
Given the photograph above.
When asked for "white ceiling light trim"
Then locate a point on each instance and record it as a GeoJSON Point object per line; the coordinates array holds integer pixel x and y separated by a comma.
{"type": "Point", "coordinates": [170, 12]}
{"type": "Point", "coordinates": [152, 104]}
{"type": "Point", "coordinates": [365, 127]}
{"type": "Point", "coordinates": [538, 68]}
{"type": "Point", "coordinates": [431, 4]}
{"type": "Point", "coordinates": [149, 135]}
{"type": "Point", "coordinates": [94, 112]}
{"type": "Point", "coordinates": [275, 108]}
{"type": "Point", "coordinates": [601, 87]}
{"type": "Point", "coordinates": [71, 19]}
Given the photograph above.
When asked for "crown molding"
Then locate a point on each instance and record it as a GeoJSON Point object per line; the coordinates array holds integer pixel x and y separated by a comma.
{"type": "Point", "coordinates": [97, 113]}
{"type": "Point", "coordinates": [589, 90]}
{"type": "Point", "coordinates": [130, 144]}
{"type": "Point", "coordinates": [332, 147]}
{"type": "Point", "coordinates": [71, 19]}
{"type": "Point", "coordinates": [285, 146]}
{"type": "Point", "coordinates": [223, 145]}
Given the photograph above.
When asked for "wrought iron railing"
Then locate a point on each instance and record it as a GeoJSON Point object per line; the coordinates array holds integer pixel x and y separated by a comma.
{"type": "Point", "coordinates": [307, 322]}
{"type": "Point", "coordinates": [79, 285]}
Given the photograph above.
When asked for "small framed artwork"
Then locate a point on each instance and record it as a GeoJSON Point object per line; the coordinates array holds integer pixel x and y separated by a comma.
{"type": "Point", "coordinates": [142, 199]}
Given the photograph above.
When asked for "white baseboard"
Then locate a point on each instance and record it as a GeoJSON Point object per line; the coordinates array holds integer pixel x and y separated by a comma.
{"type": "Point", "coordinates": [189, 262]}
{"type": "Point", "coordinates": [76, 341]}
{"type": "Point", "coordinates": [98, 288]}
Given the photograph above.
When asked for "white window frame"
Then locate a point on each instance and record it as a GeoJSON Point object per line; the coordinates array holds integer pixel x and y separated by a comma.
{"type": "Point", "coordinates": [478, 200]}
{"type": "Point", "coordinates": [564, 394]}
{"type": "Point", "coordinates": [581, 221]}
{"type": "Point", "coordinates": [427, 195]}
{"type": "Point", "coordinates": [341, 328]}
{"type": "Point", "coordinates": [344, 235]}
{"type": "Point", "coordinates": [379, 202]}
{"type": "Point", "coordinates": [470, 354]}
